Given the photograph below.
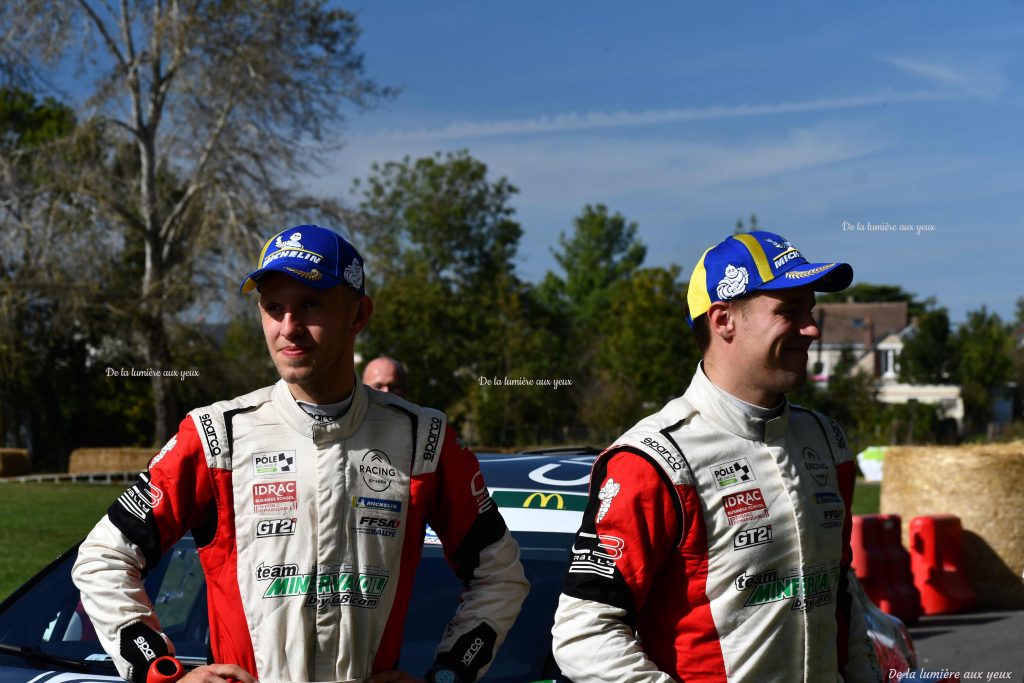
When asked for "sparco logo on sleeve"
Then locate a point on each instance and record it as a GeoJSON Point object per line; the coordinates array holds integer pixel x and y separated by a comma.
{"type": "Point", "coordinates": [744, 506]}
{"type": "Point", "coordinates": [275, 496]}
{"type": "Point", "coordinates": [671, 459]}
{"type": "Point", "coordinates": [145, 648]}
{"type": "Point", "coordinates": [433, 436]}
{"type": "Point", "coordinates": [472, 651]}
{"type": "Point", "coordinates": [377, 471]}
{"type": "Point", "coordinates": [275, 527]}
{"type": "Point", "coordinates": [210, 432]}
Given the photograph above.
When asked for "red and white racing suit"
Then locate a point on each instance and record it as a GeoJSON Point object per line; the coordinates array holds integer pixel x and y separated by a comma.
{"type": "Point", "coordinates": [309, 534]}
{"type": "Point", "coordinates": [715, 547]}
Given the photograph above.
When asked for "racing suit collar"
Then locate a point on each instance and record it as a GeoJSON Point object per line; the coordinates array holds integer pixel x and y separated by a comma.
{"type": "Point", "coordinates": [321, 433]}
{"type": "Point", "coordinates": [715, 406]}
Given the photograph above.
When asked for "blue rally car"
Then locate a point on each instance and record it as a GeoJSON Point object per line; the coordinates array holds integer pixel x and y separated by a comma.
{"type": "Point", "coordinates": [46, 637]}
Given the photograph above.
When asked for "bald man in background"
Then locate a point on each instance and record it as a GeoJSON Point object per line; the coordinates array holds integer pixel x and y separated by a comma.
{"type": "Point", "coordinates": [387, 375]}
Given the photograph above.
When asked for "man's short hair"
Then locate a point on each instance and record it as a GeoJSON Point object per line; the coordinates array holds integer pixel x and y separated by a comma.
{"type": "Point", "coordinates": [702, 327]}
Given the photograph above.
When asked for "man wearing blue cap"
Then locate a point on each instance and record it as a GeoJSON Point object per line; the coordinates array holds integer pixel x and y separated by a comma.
{"type": "Point", "coordinates": [716, 544]}
{"type": "Point", "coordinates": [308, 502]}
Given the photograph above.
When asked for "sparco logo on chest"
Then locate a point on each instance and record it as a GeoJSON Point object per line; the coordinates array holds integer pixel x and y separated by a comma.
{"type": "Point", "coordinates": [210, 432]}
{"type": "Point", "coordinates": [432, 439]}
{"type": "Point", "coordinates": [377, 471]}
{"type": "Point", "coordinates": [671, 459]}
{"type": "Point", "coordinates": [744, 506]}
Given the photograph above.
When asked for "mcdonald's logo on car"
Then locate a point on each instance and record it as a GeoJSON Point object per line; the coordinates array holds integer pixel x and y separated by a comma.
{"type": "Point", "coordinates": [545, 499]}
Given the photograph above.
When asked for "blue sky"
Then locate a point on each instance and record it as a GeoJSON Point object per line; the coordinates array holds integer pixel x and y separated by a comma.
{"type": "Point", "coordinates": [686, 116]}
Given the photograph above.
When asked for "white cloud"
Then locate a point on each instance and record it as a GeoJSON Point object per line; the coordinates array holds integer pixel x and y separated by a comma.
{"type": "Point", "coordinates": [977, 80]}
{"type": "Point", "coordinates": [574, 121]}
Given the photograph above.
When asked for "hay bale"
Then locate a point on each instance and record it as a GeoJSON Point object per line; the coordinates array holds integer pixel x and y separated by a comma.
{"type": "Point", "coordinates": [983, 485]}
{"type": "Point", "coordinates": [91, 460]}
{"type": "Point", "coordinates": [14, 462]}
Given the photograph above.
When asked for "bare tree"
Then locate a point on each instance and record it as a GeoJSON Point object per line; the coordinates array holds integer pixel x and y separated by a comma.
{"type": "Point", "coordinates": [213, 109]}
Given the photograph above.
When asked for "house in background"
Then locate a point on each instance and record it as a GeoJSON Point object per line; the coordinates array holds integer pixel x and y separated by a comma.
{"type": "Point", "coordinates": [875, 333]}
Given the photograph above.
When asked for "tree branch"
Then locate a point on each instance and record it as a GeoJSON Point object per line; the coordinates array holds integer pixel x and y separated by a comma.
{"type": "Point", "coordinates": [101, 27]}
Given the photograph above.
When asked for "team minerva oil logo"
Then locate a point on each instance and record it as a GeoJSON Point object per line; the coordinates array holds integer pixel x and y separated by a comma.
{"type": "Point", "coordinates": [327, 584]}
{"type": "Point", "coordinates": [807, 590]}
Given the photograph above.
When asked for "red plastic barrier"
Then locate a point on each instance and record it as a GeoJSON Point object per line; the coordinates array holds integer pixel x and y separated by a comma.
{"type": "Point", "coordinates": [937, 557]}
{"type": "Point", "coordinates": [883, 565]}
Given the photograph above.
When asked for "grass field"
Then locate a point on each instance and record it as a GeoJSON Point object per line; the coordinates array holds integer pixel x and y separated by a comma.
{"type": "Point", "coordinates": [40, 521]}
{"type": "Point", "coordinates": [865, 498]}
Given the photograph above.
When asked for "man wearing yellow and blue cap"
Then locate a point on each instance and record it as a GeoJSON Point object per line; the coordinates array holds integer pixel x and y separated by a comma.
{"type": "Point", "coordinates": [308, 501]}
{"type": "Point", "coordinates": [716, 543]}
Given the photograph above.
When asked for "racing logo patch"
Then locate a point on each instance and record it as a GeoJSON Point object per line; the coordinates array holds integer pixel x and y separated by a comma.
{"type": "Point", "coordinates": [744, 506]}
{"type": "Point", "coordinates": [377, 471]}
{"type": "Point", "coordinates": [733, 473]}
{"type": "Point", "coordinates": [815, 467]}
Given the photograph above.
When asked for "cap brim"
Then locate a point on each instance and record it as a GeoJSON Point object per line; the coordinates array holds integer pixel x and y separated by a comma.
{"type": "Point", "coordinates": [323, 281]}
{"type": "Point", "coordinates": [826, 277]}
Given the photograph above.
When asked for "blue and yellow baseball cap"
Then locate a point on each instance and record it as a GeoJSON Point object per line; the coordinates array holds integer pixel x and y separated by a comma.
{"type": "Point", "coordinates": [753, 261]}
{"type": "Point", "coordinates": [318, 257]}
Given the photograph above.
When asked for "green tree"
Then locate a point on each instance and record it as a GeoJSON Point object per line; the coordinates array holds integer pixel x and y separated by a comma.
{"type": "Point", "coordinates": [54, 392]}
{"type": "Point", "coordinates": [928, 356]}
{"type": "Point", "coordinates": [440, 243]}
{"type": "Point", "coordinates": [984, 348]}
{"type": "Point", "coordinates": [222, 104]}
{"type": "Point", "coordinates": [646, 357]}
{"type": "Point", "coordinates": [602, 251]}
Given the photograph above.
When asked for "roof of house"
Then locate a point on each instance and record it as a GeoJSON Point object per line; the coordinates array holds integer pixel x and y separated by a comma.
{"type": "Point", "coordinates": [851, 323]}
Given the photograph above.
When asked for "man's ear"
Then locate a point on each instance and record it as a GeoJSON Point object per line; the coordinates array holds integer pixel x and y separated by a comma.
{"type": "Point", "coordinates": [364, 309]}
{"type": "Point", "coordinates": [722, 320]}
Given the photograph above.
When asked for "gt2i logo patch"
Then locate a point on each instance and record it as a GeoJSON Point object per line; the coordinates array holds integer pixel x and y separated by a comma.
{"type": "Point", "coordinates": [275, 527]}
{"type": "Point", "coordinates": [593, 554]}
{"type": "Point", "coordinates": [744, 506]}
{"type": "Point", "coordinates": [274, 462]}
{"type": "Point", "coordinates": [748, 538]}
{"type": "Point", "coordinates": [275, 496]}
{"type": "Point", "coordinates": [732, 474]}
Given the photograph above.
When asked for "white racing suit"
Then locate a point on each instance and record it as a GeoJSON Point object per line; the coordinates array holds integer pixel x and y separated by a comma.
{"type": "Point", "coordinates": [716, 548]}
{"type": "Point", "coordinates": [309, 535]}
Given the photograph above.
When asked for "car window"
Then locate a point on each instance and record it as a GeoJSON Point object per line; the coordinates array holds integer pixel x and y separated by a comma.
{"type": "Point", "coordinates": [47, 613]}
